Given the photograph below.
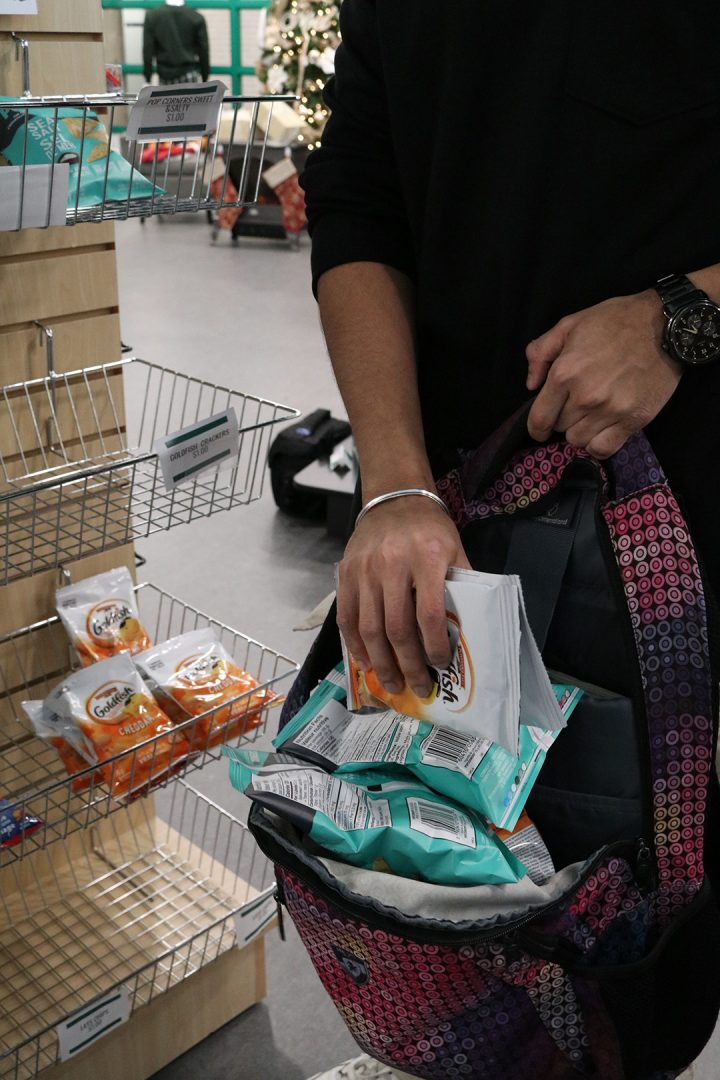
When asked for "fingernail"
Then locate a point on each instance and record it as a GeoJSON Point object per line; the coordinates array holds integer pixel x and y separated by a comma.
{"type": "Point", "coordinates": [362, 664]}
{"type": "Point", "coordinates": [442, 663]}
{"type": "Point", "coordinates": [421, 691]}
{"type": "Point", "coordinates": [393, 687]}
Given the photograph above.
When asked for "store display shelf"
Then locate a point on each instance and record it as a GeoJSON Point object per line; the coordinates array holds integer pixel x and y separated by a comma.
{"type": "Point", "coordinates": [133, 906]}
{"type": "Point", "coordinates": [61, 167]}
{"type": "Point", "coordinates": [33, 779]}
{"type": "Point", "coordinates": [79, 467]}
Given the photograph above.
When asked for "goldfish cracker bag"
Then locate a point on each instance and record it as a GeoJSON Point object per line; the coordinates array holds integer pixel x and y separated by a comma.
{"type": "Point", "coordinates": [74, 749]}
{"type": "Point", "coordinates": [192, 674]}
{"type": "Point", "coordinates": [101, 617]}
{"type": "Point", "coordinates": [116, 713]}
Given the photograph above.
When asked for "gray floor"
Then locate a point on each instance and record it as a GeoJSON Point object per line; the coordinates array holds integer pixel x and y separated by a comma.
{"type": "Point", "coordinates": [245, 317]}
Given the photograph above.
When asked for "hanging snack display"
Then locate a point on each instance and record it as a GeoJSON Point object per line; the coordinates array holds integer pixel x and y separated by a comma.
{"type": "Point", "coordinates": [109, 704]}
{"type": "Point", "coordinates": [76, 138]}
{"type": "Point", "coordinates": [192, 674]}
{"type": "Point", "coordinates": [377, 820]}
{"type": "Point", "coordinates": [101, 617]}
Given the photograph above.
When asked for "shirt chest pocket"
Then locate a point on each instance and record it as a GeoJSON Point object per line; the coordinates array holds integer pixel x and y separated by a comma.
{"type": "Point", "coordinates": [644, 61]}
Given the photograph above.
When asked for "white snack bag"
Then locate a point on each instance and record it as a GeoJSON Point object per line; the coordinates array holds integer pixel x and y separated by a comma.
{"type": "Point", "coordinates": [496, 679]}
{"type": "Point", "coordinates": [101, 616]}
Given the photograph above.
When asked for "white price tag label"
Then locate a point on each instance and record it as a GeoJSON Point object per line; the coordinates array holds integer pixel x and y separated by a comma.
{"type": "Point", "coordinates": [18, 7]}
{"type": "Point", "coordinates": [253, 919]}
{"type": "Point", "coordinates": [88, 1025]}
{"type": "Point", "coordinates": [37, 199]}
{"type": "Point", "coordinates": [208, 444]}
{"type": "Point", "coordinates": [185, 111]}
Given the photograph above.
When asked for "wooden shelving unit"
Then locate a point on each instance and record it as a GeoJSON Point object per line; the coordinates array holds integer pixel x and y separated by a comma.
{"type": "Point", "coordinates": [127, 899]}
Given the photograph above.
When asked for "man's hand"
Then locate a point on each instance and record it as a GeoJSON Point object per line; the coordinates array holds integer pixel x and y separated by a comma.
{"type": "Point", "coordinates": [605, 374]}
{"type": "Point", "coordinates": [391, 591]}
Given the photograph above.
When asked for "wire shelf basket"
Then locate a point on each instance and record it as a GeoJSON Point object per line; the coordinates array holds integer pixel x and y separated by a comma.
{"type": "Point", "coordinates": [62, 167]}
{"type": "Point", "coordinates": [135, 906]}
{"type": "Point", "coordinates": [33, 779]}
{"type": "Point", "coordinates": [79, 472]}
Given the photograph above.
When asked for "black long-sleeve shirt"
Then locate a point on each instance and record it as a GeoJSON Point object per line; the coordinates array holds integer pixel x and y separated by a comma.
{"type": "Point", "coordinates": [521, 160]}
{"type": "Point", "coordinates": [178, 37]}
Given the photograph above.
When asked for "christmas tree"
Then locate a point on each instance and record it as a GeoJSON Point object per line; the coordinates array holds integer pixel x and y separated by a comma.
{"type": "Point", "coordinates": [299, 56]}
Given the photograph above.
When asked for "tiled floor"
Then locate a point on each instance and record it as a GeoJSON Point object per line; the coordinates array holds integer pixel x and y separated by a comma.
{"type": "Point", "coordinates": [245, 317]}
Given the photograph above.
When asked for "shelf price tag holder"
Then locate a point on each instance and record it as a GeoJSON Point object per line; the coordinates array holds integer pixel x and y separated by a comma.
{"type": "Point", "coordinates": [87, 1025]}
{"type": "Point", "coordinates": [207, 444]}
{"type": "Point", "coordinates": [253, 919]}
{"type": "Point", "coordinates": [185, 111]}
{"type": "Point", "coordinates": [18, 7]}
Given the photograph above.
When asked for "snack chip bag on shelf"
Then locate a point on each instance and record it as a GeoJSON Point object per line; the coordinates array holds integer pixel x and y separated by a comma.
{"type": "Point", "coordinates": [192, 674]}
{"type": "Point", "coordinates": [101, 616]}
{"type": "Point", "coordinates": [32, 136]}
{"type": "Point", "coordinates": [110, 704]}
{"type": "Point", "coordinates": [73, 748]}
{"type": "Point", "coordinates": [15, 824]}
{"type": "Point", "coordinates": [467, 768]}
{"type": "Point", "coordinates": [379, 821]}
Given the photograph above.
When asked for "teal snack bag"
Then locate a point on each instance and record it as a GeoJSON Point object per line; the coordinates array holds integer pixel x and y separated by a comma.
{"type": "Point", "coordinates": [377, 820]}
{"type": "Point", "coordinates": [468, 769]}
{"type": "Point", "coordinates": [41, 141]}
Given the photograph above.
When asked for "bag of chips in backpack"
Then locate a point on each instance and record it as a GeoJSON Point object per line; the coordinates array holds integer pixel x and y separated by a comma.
{"type": "Point", "coordinates": [611, 969]}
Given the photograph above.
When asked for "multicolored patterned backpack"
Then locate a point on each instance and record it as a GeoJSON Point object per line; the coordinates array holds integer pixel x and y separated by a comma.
{"type": "Point", "coordinates": [611, 970]}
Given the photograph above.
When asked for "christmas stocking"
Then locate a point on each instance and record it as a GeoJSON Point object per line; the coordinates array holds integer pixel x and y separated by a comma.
{"type": "Point", "coordinates": [283, 179]}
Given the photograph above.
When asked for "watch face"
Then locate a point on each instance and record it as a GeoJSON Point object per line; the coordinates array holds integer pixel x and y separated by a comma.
{"type": "Point", "coordinates": [694, 335]}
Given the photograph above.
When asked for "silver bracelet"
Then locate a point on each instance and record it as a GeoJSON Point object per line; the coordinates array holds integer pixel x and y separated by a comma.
{"type": "Point", "coordinates": [399, 495]}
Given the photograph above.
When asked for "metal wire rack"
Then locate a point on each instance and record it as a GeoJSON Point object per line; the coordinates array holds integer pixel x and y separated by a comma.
{"type": "Point", "coordinates": [62, 168]}
{"type": "Point", "coordinates": [79, 472]}
{"type": "Point", "coordinates": [135, 903]}
{"type": "Point", "coordinates": [33, 779]}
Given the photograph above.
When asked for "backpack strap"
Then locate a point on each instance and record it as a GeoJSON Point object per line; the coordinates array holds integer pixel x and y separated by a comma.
{"type": "Point", "coordinates": [665, 598]}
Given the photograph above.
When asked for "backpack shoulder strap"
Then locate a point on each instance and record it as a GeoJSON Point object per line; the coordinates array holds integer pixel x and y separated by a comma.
{"type": "Point", "coordinates": [665, 597]}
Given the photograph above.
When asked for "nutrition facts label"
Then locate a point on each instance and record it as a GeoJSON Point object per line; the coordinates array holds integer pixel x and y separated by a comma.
{"type": "Point", "coordinates": [347, 806]}
{"type": "Point", "coordinates": [339, 737]}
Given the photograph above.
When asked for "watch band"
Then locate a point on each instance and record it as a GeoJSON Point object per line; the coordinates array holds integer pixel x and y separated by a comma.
{"type": "Point", "coordinates": [677, 291]}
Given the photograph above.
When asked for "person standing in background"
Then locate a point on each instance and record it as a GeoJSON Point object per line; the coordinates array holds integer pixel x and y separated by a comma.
{"type": "Point", "coordinates": [177, 37]}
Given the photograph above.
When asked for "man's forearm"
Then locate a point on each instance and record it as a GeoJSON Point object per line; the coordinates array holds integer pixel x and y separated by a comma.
{"type": "Point", "coordinates": [367, 312]}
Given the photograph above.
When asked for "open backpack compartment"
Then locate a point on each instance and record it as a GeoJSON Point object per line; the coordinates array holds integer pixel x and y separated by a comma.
{"type": "Point", "coordinates": [611, 969]}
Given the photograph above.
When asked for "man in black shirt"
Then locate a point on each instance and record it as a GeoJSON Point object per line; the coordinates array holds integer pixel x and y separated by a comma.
{"type": "Point", "coordinates": [500, 188]}
{"type": "Point", "coordinates": [177, 37]}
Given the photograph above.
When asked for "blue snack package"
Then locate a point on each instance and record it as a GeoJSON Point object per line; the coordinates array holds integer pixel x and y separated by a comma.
{"type": "Point", "coordinates": [468, 769]}
{"type": "Point", "coordinates": [377, 820]}
{"type": "Point", "coordinates": [33, 137]}
{"type": "Point", "coordinates": [15, 824]}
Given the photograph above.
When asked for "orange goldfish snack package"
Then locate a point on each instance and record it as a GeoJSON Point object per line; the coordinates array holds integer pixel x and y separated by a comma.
{"type": "Point", "coordinates": [193, 673]}
{"type": "Point", "coordinates": [116, 713]}
{"type": "Point", "coordinates": [101, 617]}
{"type": "Point", "coordinates": [527, 844]}
{"type": "Point", "coordinates": [75, 752]}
